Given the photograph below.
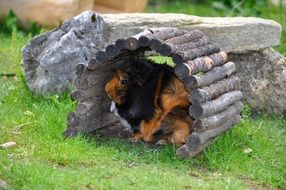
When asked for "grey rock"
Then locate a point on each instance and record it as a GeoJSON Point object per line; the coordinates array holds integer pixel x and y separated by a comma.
{"type": "Point", "coordinates": [263, 79]}
{"type": "Point", "coordinates": [3, 184]}
{"type": "Point", "coordinates": [240, 34]}
{"type": "Point", "coordinates": [49, 60]}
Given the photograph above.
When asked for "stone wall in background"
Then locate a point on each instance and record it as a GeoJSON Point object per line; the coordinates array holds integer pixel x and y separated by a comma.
{"type": "Point", "coordinates": [50, 59]}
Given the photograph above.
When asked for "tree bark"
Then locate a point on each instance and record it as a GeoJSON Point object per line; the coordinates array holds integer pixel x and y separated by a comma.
{"type": "Point", "coordinates": [182, 56]}
{"type": "Point", "coordinates": [82, 125]}
{"type": "Point", "coordinates": [201, 125]}
{"type": "Point", "coordinates": [210, 77]}
{"type": "Point", "coordinates": [93, 63]}
{"type": "Point", "coordinates": [215, 106]}
{"type": "Point", "coordinates": [168, 49]}
{"type": "Point", "coordinates": [120, 44]}
{"type": "Point", "coordinates": [183, 151]}
{"type": "Point", "coordinates": [214, 90]}
{"type": "Point", "coordinates": [200, 64]}
{"type": "Point", "coordinates": [181, 39]}
{"type": "Point", "coordinates": [111, 50]}
{"type": "Point", "coordinates": [81, 95]}
{"type": "Point", "coordinates": [80, 69]}
{"type": "Point", "coordinates": [197, 140]}
{"type": "Point", "coordinates": [156, 44]}
{"type": "Point", "coordinates": [87, 105]}
{"type": "Point", "coordinates": [166, 33]}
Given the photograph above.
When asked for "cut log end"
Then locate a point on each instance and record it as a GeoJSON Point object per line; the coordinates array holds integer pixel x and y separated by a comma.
{"type": "Point", "coordinates": [156, 44]}
{"type": "Point", "coordinates": [120, 44]}
{"type": "Point", "coordinates": [92, 64]}
{"type": "Point", "coordinates": [111, 50]}
{"type": "Point", "coordinates": [131, 44]}
{"type": "Point", "coordinates": [183, 151]}
{"type": "Point", "coordinates": [181, 71]}
{"type": "Point", "coordinates": [165, 50]}
{"type": "Point", "coordinates": [100, 56]}
{"type": "Point", "coordinates": [194, 141]}
{"type": "Point", "coordinates": [144, 41]}
{"type": "Point", "coordinates": [178, 58]}
{"type": "Point", "coordinates": [76, 94]}
{"type": "Point", "coordinates": [196, 111]}
{"type": "Point", "coordinates": [80, 69]}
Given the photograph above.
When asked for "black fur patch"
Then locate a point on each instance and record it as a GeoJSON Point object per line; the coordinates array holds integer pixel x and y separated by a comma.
{"type": "Point", "coordinates": [143, 81]}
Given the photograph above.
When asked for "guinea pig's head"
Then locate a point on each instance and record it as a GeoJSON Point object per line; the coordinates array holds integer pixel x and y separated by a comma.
{"type": "Point", "coordinates": [116, 88]}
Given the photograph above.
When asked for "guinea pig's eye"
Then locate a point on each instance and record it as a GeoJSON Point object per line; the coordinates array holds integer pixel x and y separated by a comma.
{"type": "Point", "coordinates": [124, 81]}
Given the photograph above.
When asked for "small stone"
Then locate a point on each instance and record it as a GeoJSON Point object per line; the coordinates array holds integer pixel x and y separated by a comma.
{"type": "Point", "coordinates": [10, 156]}
{"type": "Point", "coordinates": [247, 151]}
{"type": "Point", "coordinates": [3, 184]}
{"type": "Point", "coordinates": [8, 144]}
{"type": "Point", "coordinates": [162, 142]}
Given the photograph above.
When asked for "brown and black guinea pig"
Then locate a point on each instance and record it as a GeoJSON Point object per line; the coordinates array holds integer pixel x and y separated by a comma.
{"type": "Point", "coordinates": [144, 95]}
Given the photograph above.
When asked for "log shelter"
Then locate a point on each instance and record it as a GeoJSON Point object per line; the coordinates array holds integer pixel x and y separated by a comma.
{"type": "Point", "coordinates": [214, 89]}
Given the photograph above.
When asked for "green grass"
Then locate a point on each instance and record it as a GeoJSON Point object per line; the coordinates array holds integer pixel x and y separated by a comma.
{"type": "Point", "coordinates": [208, 9]}
{"type": "Point", "coordinates": [43, 159]}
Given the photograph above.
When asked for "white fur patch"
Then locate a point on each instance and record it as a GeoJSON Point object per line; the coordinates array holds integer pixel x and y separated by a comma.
{"type": "Point", "coordinates": [122, 120]}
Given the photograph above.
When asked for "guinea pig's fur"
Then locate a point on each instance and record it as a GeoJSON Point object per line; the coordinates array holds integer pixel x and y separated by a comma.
{"type": "Point", "coordinates": [136, 92]}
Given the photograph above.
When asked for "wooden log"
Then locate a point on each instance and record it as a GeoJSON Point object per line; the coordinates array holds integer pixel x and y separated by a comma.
{"type": "Point", "coordinates": [194, 44]}
{"type": "Point", "coordinates": [91, 104]}
{"type": "Point", "coordinates": [169, 48]}
{"type": "Point", "coordinates": [161, 34]}
{"type": "Point", "coordinates": [186, 152]}
{"type": "Point", "coordinates": [132, 43]}
{"type": "Point", "coordinates": [166, 49]}
{"type": "Point", "coordinates": [114, 131]}
{"type": "Point", "coordinates": [89, 81]}
{"type": "Point", "coordinates": [100, 56]}
{"type": "Point", "coordinates": [158, 37]}
{"type": "Point", "coordinates": [180, 39]}
{"type": "Point", "coordinates": [166, 33]}
{"type": "Point", "coordinates": [200, 64]}
{"type": "Point", "coordinates": [100, 108]}
{"type": "Point", "coordinates": [102, 72]}
{"type": "Point", "coordinates": [89, 125]}
{"type": "Point", "coordinates": [81, 95]}
{"type": "Point", "coordinates": [80, 68]}
{"type": "Point", "coordinates": [183, 151]}
{"type": "Point", "coordinates": [196, 140]}
{"type": "Point", "coordinates": [212, 91]}
{"type": "Point", "coordinates": [111, 50]}
{"type": "Point", "coordinates": [210, 77]}
{"type": "Point", "coordinates": [120, 44]}
{"type": "Point", "coordinates": [183, 56]}
{"type": "Point", "coordinates": [72, 119]}
{"type": "Point", "coordinates": [144, 41]}
{"type": "Point", "coordinates": [215, 106]}
{"type": "Point", "coordinates": [93, 63]}
{"type": "Point", "coordinates": [217, 120]}
{"type": "Point", "coordinates": [156, 44]}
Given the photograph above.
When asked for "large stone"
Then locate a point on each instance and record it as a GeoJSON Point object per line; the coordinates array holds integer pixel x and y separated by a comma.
{"type": "Point", "coordinates": [263, 79]}
{"type": "Point", "coordinates": [50, 59]}
{"type": "Point", "coordinates": [239, 34]}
